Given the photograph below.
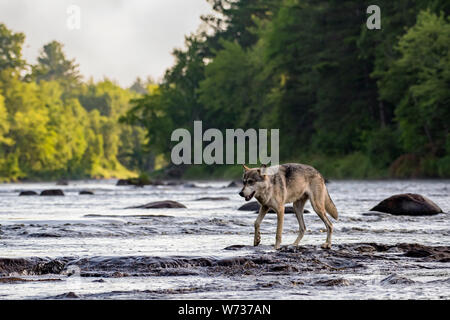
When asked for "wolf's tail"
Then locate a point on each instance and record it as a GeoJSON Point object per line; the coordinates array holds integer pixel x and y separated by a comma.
{"type": "Point", "coordinates": [330, 207]}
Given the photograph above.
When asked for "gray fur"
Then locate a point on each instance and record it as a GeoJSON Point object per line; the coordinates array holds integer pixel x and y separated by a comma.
{"type": "Point", "coordinates": [290, 182]}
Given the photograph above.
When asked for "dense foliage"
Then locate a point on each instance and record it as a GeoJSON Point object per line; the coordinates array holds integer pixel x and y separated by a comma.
{"type": "Point", "coordinates": [353, 102]}
{"type": "Point", "coordinates": [53, 125]}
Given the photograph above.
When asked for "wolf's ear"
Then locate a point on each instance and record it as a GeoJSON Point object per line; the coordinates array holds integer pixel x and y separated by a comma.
{"type": "Point", "coordinates": [246, 168]}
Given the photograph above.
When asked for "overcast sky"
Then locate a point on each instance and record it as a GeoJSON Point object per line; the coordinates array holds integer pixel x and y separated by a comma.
{"type": "Point", "coordinates": [119, 39]}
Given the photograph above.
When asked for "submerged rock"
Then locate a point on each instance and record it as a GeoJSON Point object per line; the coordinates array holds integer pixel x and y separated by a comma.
{"type": "Point", "coordinates": [54, 192]}
{"type": "Point", "coordinates": [68, 295]}
{"type": "Point", "coordinates": [333, 282]}
{"type": "Point", "coordinates": [254, 206]}
{"type": "Point", "coordinates": [160, 205]}
{"type": "Point", "coordinates": [235, 184]}
{"type": "Point", "coordinates": [212, 199]}
{"type": "Point", "coordinates": [408, 204]}
{"type": "Point", "coordinates": [28, 193]}
{"type": "Point", "coordinates": [86, 192]}
{"type": "Point", "coordinates": [396, 279]}
{"type": "Point", "coordinates": [138, 182]}
{"type": "Point", "coordinates": [62, 182]}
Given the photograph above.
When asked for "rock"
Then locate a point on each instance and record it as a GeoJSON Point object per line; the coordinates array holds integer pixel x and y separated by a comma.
{"type": "Point", "coordinates": [54, 192]}
{"type": "Point", "coordinates": [160, 205]}
{"type": "Point", "coordinates": [28, 193]}
{"type": "Point", "coordinates": [68, 295]}
{"type": "Point", "coordinates": [139, 182]}
{"type": "Point", "coordinates": [212, 199]}
{"type": "Point", "coordinates": [333, 282]}
{"type": "Point", "coordinates": [86, 192]}
{"type": "Point", "coordinates": [254, 206]}
{"type": "Point", "coordinates": [174, 183]}
{"type": "Point", "coordinates": [396, 279]}
{"type": "Point", "coordinates": [249, 206]}
{"type": "Point", "coordinates": [407, 204]}
{"type": "Point", "coordinates": [62, 182]}
{"type": "Point", "coordinates": [123, 182]}
{"type": "Point", "coordinates": [189, 185]}
{"type": "Point", "coordinates": [235, 184]}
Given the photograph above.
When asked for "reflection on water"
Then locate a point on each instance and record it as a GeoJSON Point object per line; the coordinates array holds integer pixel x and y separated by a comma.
{"type": "Point", "coordinates": [92, 227]}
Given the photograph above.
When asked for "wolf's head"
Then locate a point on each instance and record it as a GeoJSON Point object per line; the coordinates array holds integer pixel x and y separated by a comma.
{"type": "Point", "coordinates": [255, 182]}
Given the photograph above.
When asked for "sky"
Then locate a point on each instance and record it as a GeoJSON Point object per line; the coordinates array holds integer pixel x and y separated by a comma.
{"type": "Point", "coordinates": [118, 39]}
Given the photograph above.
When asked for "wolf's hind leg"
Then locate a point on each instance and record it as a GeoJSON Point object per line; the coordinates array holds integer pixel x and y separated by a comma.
{"type": "Point", "coordinates": [280, 220]}
{"type": "Point", "coordinates": [298, 208]}
{"type": "Point", "coordinates": [262, 212]}
{"type": "Point", "coordinates": [318, 203]}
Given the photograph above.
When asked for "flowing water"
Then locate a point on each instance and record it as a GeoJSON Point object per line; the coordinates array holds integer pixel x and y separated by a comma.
{"type": "Point", "coordinates": [91, 247]}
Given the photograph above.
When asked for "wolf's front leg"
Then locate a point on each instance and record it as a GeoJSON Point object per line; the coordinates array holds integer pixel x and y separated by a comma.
{"type": "Point", "coordinates": [280, 220]}
{"type": "Point", "coordinates": [262, 213]}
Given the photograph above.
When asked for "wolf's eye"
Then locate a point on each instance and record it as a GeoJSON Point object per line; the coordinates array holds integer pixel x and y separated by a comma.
{"type": "Point", "coordinates": [250, 181]}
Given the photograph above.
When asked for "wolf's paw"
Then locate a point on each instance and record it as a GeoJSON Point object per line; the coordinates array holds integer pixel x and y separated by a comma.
{"type": "Point", "coordinates": [326, 245]}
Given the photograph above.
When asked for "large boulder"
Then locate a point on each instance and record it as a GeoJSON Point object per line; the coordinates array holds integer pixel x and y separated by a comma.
{"type": "Point", "coordinates": [254, 206]}
{"type": "Point", "coordinates": [54, 192]}
{"type": "Point", "coordinates": [408, 204]}
{"type": "Point", "coordinates": [28, 193]}
{"type": "Point", "coordinates": [160, 205]}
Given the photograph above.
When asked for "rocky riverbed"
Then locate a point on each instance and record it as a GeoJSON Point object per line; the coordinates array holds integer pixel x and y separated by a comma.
{"type": "Point", "coordinates": [91, 247]}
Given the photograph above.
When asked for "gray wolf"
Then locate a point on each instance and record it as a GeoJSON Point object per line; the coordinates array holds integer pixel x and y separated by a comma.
{"type": "Point", "coordinates": [292, 182]}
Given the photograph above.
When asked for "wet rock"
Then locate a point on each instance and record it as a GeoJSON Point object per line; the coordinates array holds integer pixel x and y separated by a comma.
{"type": "Point", "coordinates": [166, 204]}
{"type": "Point", "coordinates": [212, 199]}
{"type": "Point", "coordinates": [427, 253]}
{"type": "Point", "coordinates": [28, 193]}
{"type": "Point", "coordinates": [15, 280]}
{"type": "Point", "coordinates": [44, 235]}
{"type": "Point", "coordinates": [408, 204]}
{"type": "Point", "coordinates": [232, 261]}
{"type": "Point", "coordinates": [174, 183]}
{"type": "Point", "coordinates": [99, 280]}
{"type": "Point", "coordinates": [123, 182]}
{"type": "Point", "coordinates": [190, 185]}
{"type": "Point", "coordinates": [51, 267]}
{"type": "Point", "coordinates": [396, 279]}
{"type": "Point", "coordinates": [53, 192]}
{"type": "Point", "coordinates": [118, 274]}
{"type": "Point", "coordinates": [176, 272]}
{"type": "Point", "coordinates": [86, 192]}
{"type": "Point", "coordinates": [68, 295]}
{"type": "Point", "coordinates": [332, 282]}
{"type": "Point", "coordinates": [235, 247]}
{"type": "Point", "coordinates": [235, 184]}
{"type": "Point", "coordinates": [283, 268]}
{"type": "Point", "coordinates": [138, 182]}
{"type": "Point", "coordinates": [250, 206]}
{"type": "Point", "coordinates": [254, 206]}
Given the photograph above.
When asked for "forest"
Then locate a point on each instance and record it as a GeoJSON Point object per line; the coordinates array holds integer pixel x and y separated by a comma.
{"type": "Point", "coordinates": [353, 102]}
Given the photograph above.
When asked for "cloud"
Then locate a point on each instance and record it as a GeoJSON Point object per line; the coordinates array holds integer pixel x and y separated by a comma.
{"type": "Point", "coordinates": [117, 39]}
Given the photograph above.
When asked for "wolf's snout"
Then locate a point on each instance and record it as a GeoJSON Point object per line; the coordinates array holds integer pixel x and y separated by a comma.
{"type": "Point", "coordinates": [241, 193]}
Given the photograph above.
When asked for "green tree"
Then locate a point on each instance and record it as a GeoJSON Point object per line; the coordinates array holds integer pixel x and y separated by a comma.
{"type": "Point", "coordinates": [54, 66]}
{"type": "Point", "coordinates": [418, 81]}
{"type": "Point", "coordinates": [11, 49]}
